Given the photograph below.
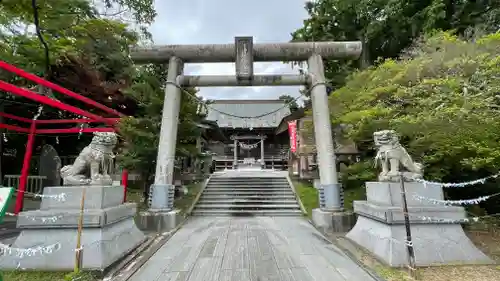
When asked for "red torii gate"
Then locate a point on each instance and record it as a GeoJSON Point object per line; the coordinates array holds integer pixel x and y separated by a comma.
{"type": "Point", "coordinates": [33, 130]}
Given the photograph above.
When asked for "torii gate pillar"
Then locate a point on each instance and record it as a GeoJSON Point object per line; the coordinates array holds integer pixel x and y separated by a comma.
{"type": "Point", "coordinates": [162, 191]}
{"type": "Point", "coordinates": [244, 52]}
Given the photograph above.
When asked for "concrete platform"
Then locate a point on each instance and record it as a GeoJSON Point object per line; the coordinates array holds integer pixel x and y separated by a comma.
{"type": "Point", "coordinates": [250, 249]}
{"type": "Point", "coordinates": [380, 227]}
{"type": "Point", "coordinates": [442, 244]}
{"type": "Point", "coordinates": [159, 221]}
{"type": "Point", "coordinates": [101, 247]}
{"type": "Point", "coordinates": [109, 231]}
{"type": "Point", "coordinates": [333, 222]}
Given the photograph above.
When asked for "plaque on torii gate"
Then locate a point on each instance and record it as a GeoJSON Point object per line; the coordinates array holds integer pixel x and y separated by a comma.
{"type": "Point", "coordinates": [244, 52]}
{"type": "Point", "coordinates": [243, 47]}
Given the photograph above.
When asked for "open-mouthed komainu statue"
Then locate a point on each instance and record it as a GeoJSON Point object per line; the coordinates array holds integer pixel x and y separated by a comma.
{"type": "Point", "coordinates": [393, 156]}
{"type": "Point", "coordinates": [98, 157]}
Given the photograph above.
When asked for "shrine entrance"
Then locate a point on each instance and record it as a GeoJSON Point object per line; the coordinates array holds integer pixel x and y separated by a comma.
{"type": "Point", "coordinates": [244, 53]}
{"type": "Point", "coordinates": [246, 144]}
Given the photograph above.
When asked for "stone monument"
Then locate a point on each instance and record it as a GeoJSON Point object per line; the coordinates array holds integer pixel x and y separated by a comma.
{"type": "Point", "coordinates": [437, 237]}
{"type": "Point", "coordinates": [50, 166]}
{"type": "Point", "coordinates": [108, 228]}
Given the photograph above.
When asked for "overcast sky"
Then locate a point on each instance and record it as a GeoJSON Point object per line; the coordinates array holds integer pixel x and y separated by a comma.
{"type": "Point", "coordinates": [219, 21]}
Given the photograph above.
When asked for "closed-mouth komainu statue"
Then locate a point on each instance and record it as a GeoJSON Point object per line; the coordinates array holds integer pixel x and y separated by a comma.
{"type": "Point", "coordinates": [98, 157]}
{"type": "Point", "coordinates": [392, 156]}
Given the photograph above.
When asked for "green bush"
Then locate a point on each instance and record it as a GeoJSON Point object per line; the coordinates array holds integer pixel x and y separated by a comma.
{"type": "Point", "coordinates": [443, 98]}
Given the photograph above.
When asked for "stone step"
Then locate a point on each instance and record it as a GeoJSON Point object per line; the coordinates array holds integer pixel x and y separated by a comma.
{"type": "Point", "coordinates": [250, 189]}
{"type": "Point", "coordinates": [245, 206]}
{"type": "Point", "coordinates": [248, 184]}
{"type": "Point", "coordinates": [224, 196]}
{"type": "Point", "coordinates": [249, 179]}
{"type": "Point", "coordinates": [259, 201]}
{"type": "Point", "coordinates": [248, 196]}
{"type": "Point", "coordinates": [239, 187]}
{"type": "Point", "coordinates": [262, 194]}
{"type": "Point", "coordinates": [250, 192]}
{"type": "Point", "coordinates": [254, 213]}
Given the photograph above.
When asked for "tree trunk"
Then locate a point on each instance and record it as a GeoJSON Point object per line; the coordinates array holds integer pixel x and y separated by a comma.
{"type": "Point", "coordinates": [364, 60]}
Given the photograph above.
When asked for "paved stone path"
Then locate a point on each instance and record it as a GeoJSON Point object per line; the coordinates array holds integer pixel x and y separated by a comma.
{"type": "Point", "coordinates": [249, 249]}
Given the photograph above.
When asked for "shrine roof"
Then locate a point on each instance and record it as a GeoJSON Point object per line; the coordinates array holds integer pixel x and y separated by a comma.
{"type": "Point", "coordinates": [217, 109]}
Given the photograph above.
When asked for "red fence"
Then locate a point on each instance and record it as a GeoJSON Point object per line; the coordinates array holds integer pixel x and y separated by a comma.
{"type": "Point", "coordinates": [34, 124]}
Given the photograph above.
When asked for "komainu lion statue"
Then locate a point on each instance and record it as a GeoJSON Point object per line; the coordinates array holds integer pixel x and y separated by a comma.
{"type": "Point", "coordinates": [98, 157]}
{"type": "Point", "coordinates": [392, 156]}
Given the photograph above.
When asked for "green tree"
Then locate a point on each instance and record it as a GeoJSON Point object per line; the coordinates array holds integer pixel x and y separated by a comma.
{"type": "Point", "coordinates": [291, 101]}
{"type": "Point", "coordinates": [87, 44]}
{"type": "Point", "coordinates": [443, 100]}
{"type": "Point", "coordinates": [387, 27]}
{"type": "Point", "coordinates": [142, 131]}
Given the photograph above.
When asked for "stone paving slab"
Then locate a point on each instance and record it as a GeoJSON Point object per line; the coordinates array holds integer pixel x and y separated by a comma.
{"type": "Point", "coordinates": [249, 249]}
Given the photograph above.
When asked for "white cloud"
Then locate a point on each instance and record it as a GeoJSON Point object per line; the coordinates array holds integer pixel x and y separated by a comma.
{"type": "Point", "coordinates": [198, 22]}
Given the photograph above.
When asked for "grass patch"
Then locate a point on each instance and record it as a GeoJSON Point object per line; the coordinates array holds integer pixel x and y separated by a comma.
{"type": "Point", "coordinates": [184, 203]}
{"type": "Point", "coordinates": [353, 194]}
{"type": "Point", "coordinates": [46, 276]}
{"type": "Point", "coordinates": [309, 196]}
{"type": "Point", "coordinates": [392, 274]}
{"type": "Point", "coordinates": [486, 236]}
{"type": "Point", "coordinates": [135, 196]}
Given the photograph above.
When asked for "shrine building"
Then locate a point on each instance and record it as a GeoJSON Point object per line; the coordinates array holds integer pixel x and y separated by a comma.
{"type": "Point", "coordinates": [249, 142]}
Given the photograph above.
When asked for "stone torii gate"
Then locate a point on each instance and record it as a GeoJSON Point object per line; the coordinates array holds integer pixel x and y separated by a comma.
{"type": "Point", "coordinates": [244, 53]}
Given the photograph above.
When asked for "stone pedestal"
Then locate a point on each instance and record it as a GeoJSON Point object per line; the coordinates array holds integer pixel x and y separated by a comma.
{"type": "Point", "coordinates": [109, 231]}
{"type": "Point", "coordinates": [380, 227]}
{"type": "Point", "coordinates": [159, 221]}
{"type": "Point", "coordinates": [333, 222]}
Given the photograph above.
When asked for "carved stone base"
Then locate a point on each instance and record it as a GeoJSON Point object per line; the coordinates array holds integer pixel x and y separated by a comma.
{"type": "Point", "coordinates": [434, 244]}
{"type": "Point", "coordinates": [159, 221]}
{"type": "Point", "coordinates": [380, 227]}
{"type": "Point", "coordinates": [101, 247]}
{"type": "Point", "coordinates": [109, 231]}
{"type": "Point", "coordinates": [96, 197]}
{"type": "Point", "coordinates": [331, 222]}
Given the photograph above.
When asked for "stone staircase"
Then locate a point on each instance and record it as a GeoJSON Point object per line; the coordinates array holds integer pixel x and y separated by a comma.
{"type": "Point", "coordinates": [248, 196]}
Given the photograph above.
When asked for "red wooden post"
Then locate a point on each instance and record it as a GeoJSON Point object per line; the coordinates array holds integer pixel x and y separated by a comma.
{"type": "Point", "coordinates": [47, 84]}
{"type": "Point", "coordinates": [125, 184]}
{"type": "Point", "coordinates": [26, 169]}
{"type": "Point", "coordinates": [21, 92]}
{"type": "Point", "coordinates": [73, 130]}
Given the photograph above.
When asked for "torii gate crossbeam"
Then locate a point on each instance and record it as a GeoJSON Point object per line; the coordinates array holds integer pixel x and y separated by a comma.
{"type": "Point", "coordinates": [244, 52]}
{"type": "Point", "coordinates": [295, 51]}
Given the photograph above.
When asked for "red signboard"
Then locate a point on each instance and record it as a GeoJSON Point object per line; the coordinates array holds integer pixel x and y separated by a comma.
{"type": "Point", "coordinates": [292, 131]}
